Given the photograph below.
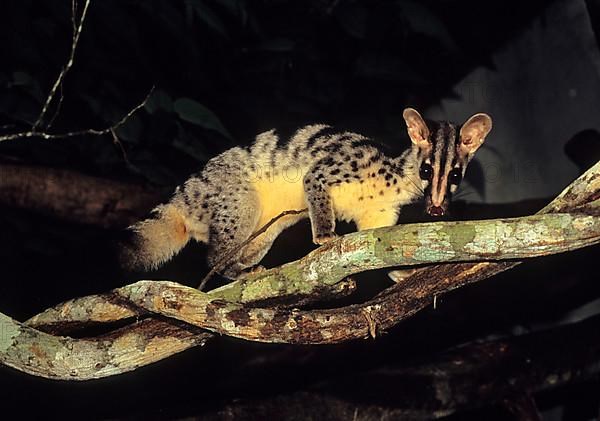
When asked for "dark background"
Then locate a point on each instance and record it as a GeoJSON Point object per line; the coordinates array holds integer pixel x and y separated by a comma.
{"type": "Point", "coordinates": [224, 71]}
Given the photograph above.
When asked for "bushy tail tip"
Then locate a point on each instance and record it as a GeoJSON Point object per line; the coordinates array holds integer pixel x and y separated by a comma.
{"type": "Point", "coordinates": [154, 241]}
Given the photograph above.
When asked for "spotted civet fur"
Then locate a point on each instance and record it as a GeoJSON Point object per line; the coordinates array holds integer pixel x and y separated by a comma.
{"type": "Point", "coordinates": [336, 175]}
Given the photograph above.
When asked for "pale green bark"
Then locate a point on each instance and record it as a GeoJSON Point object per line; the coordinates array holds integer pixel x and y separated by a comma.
{"type": "Point", "coordinates": [222, 310]}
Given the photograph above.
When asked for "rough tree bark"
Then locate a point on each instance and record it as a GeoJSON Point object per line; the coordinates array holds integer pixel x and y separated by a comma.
{"type": "Point", "coordinates": [75, 197]}
{"type": "Point", "coordinates": [502, 372]}
{"type": "Point", "coordinates": [30, 350]}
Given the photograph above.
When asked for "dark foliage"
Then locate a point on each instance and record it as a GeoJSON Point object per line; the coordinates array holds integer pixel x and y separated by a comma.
{"type": "Point", "coordinates": [227, 70]}
{"type": "Point", "coordinates": [224, 71]}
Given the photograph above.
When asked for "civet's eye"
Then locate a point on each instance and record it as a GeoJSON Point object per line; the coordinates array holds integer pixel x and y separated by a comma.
{"type": "Point", "coordinates": [426, 172]}
{"type": "Point", "coordinates": [455, 177]}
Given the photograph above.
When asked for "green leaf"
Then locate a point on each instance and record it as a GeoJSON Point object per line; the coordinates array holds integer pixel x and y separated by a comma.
{"type": "Point", "coordinates": [423, 21]}
{"type": "Point", "coordinates": [159, 100]}
{"type": "Point", "coordinates": [196, 113]}
{"type": "Point", "coordinates": [131, 131]}
{"type": "Point", "coordinates": [190, 145]}
{"type": "Point", "coordinates": [206, 15]}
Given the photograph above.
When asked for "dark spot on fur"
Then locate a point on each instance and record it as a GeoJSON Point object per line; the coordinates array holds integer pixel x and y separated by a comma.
{"type": "Point", "coordinates": [328, 161]}
{"type": "Point", "coordinates": [335, 172]}
{"type": "Point", "coordinates": [380, 192]}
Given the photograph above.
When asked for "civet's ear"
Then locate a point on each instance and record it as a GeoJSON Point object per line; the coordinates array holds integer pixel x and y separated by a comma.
{"type": "Point", "coordinates": [417, 129]}
{"type": "Point", "coordinates": [473, 132]}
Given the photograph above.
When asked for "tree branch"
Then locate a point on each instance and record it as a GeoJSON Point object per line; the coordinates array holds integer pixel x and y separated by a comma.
{"type": "Point", "coordinates": [473, 376]}
{"type": "Point", "coordinates": [384, 247]}
{"type": "Point", "coordinates": [469, 240]}
{"type": "Point", "coordinates": [58, 357]}
{"type": "Point", "coordinates": [75, 197]}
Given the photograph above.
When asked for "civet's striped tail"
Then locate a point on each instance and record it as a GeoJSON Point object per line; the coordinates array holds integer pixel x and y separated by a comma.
{"type": "Point", "coordinates": [156, 240]}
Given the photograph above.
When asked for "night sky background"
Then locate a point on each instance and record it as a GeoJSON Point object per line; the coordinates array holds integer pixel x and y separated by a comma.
{"type": "Point", "coordinates": [223, 71]}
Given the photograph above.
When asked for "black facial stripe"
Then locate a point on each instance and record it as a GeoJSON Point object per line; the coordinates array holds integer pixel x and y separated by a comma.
{"type": "Point", "coordinates": [444, 152]}
{"type": "Point", "coordinates": [434, 145]}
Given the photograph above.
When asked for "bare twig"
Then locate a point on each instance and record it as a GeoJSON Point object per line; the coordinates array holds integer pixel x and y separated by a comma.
{"type": "Point", "coordinates": [107, 130]}
{"type": "Point", "coordinates": [118, 143]}
{"type": "Point", "coordinates": [37, 129]}
{"type": "Point", "coordinates": [222, 262]}
{"type": "Point", "coordinates": [77, 27]}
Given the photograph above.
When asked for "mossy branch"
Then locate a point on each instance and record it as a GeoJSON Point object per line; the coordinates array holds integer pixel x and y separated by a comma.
{"type": "Point", "coordinates": [574, 223]}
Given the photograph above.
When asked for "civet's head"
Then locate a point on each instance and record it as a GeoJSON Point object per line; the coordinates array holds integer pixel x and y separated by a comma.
{"type": "Point", "coordinates": [443, 153]}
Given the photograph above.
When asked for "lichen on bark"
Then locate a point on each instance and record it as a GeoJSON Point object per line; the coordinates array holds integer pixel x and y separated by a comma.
{"type": "Point", "coordinates": [471, 250]}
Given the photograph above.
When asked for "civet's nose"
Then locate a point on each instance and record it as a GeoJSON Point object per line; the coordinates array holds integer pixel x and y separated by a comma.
{"type": "Point", "coordinates": [435, 211]}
